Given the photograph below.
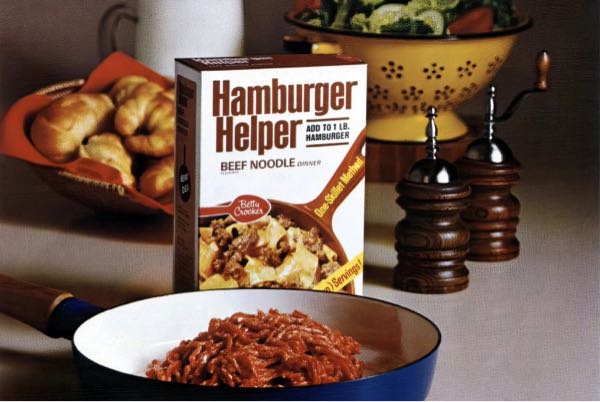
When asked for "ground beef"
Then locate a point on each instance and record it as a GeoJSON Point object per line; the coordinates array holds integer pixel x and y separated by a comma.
{"type": "Point", "coordinates": [221, 236]}
{"type": "Point", "coordinates": [233, 269]}
{"type": "Point", "coordinates": [313, 241]}
{"type": "Point", "coordinates": [270, 285]}
{"type": "Point", "coordinates": [262, 350]}
{"type": "Point", "coordinates": [329, 268]}
{"type": "Point", "coordinates": [285, 221]}
{"type": "Point", "coordinates": [245, 243]}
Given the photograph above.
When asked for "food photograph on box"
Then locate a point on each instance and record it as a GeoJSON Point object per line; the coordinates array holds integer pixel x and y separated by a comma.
{"type": "Point", "coordinates": [299, 200]}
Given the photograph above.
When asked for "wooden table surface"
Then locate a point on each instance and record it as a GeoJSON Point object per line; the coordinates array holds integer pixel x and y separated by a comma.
{"type": "Point", "coordinates": [523, 329]}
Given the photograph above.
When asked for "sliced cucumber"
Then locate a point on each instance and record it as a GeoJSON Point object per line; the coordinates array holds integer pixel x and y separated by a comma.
{"type": "Point", "coordinates": [435, 20]}
{"type": "Point", "coordinates": [392, 8]}
{"type": "Point", "coordinates": [386, 15]}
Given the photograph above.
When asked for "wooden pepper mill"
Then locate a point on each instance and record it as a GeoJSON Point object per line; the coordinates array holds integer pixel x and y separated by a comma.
{"type": "Point", "coordinates": [432, 241]}
{"type": "Point", "coordinates": [491, 170]}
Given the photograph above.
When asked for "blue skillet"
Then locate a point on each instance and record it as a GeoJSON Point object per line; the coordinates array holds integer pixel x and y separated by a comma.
{"type": "Point", "coordinates": [112, 348]}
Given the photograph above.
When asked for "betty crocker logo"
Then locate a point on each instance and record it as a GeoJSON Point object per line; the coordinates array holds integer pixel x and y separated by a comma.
{"type": "Point", "coordinates": [244, 209]}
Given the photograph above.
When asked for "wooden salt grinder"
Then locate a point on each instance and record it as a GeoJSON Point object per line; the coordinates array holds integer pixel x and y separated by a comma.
{"type": "Point", "coordinates": [491, 169]}
{"type": "Point", "coordinates": [432, 241]}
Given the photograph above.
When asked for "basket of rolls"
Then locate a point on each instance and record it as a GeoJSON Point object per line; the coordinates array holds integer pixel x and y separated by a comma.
{"type": "Point", "coordinates": [106, 141]}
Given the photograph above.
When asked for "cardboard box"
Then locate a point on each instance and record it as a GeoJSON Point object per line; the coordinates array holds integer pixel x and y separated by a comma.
{"type": "Point", "coordinates": [270, 172]}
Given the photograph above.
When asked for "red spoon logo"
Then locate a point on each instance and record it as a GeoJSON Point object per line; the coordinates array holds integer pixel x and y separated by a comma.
{"type": "Point", "coordinates": [244, 209]}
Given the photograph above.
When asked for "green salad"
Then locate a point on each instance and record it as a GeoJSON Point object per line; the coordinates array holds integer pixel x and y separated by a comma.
{"type": "Point", "coordinates": [434, 17]}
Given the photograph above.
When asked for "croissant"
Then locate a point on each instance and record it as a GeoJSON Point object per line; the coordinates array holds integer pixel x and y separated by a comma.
{"type": "Point", "coordinates": [58, 130]}
{"type": "Point", "coordinates": [162, 116]}
{"type": "Point", "coordinates": [124, 87]}
{"type": "Point", "coordinates": [158, 144]}
{"type": "Point", "coordinates": [157, 181]}
{"type": "Point", "coordinates": [143, 104]}
{"type": "Point", "coordinates": [108, 149]}
{"type": "Point", "coordinates": [135, 109]}
{"type": "Point", "coordinates": [161, 126]}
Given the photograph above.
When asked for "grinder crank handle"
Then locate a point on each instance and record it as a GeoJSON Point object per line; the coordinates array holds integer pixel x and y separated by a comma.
{"type": "Point", "coordinates": [543, 66]}
{"type": "Point", "coordinates": [541, 85]}
{"type": "Point", "coordinates": [54, 312]}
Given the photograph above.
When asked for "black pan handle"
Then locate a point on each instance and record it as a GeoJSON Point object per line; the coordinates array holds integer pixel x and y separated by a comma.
{"type": "Point", "coordinates": [54, 312]}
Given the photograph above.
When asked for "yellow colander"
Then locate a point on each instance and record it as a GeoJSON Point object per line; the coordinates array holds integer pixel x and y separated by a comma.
{"type": "Point", "coordinates": [409, 73]}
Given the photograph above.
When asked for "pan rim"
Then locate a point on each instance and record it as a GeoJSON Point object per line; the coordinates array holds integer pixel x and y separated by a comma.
{"type": "Point", "coordinates": [426, 356]}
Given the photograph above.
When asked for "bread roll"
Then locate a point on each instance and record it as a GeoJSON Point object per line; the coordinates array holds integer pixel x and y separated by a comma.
{"type": "Point", "coordinates": [160, 124]}
{"type": "Point", "coordinates": [157, 181]}
{"type": "Point", "coordinates": [158, 144]}
{"type": "Point", "coordinates": [133, 112]}
{"type": "Point", "coordinates": [124, 87]}
{"type": "Point", "coordinates": [108, 149]}
{"type": "Point", "coordinates": [145, 116]}
{"type": "Point", "coordinates": [58, 130]}
{"type": "Point", "coordinates": [162, 114]}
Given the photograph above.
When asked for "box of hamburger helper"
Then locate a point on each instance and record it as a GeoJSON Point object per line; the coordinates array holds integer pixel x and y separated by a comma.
{"type": "Point", "coordinates": [270, 173]}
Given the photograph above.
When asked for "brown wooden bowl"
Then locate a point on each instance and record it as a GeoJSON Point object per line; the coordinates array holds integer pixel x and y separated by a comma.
{"type": "Point", "coordinates": [97, 195]}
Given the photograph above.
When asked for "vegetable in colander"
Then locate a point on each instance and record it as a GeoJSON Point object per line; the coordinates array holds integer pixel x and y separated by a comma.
{"type": "Point", "coordinates": [433, 19]}
{"type": "Point", "coordinates": [412, 17]}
